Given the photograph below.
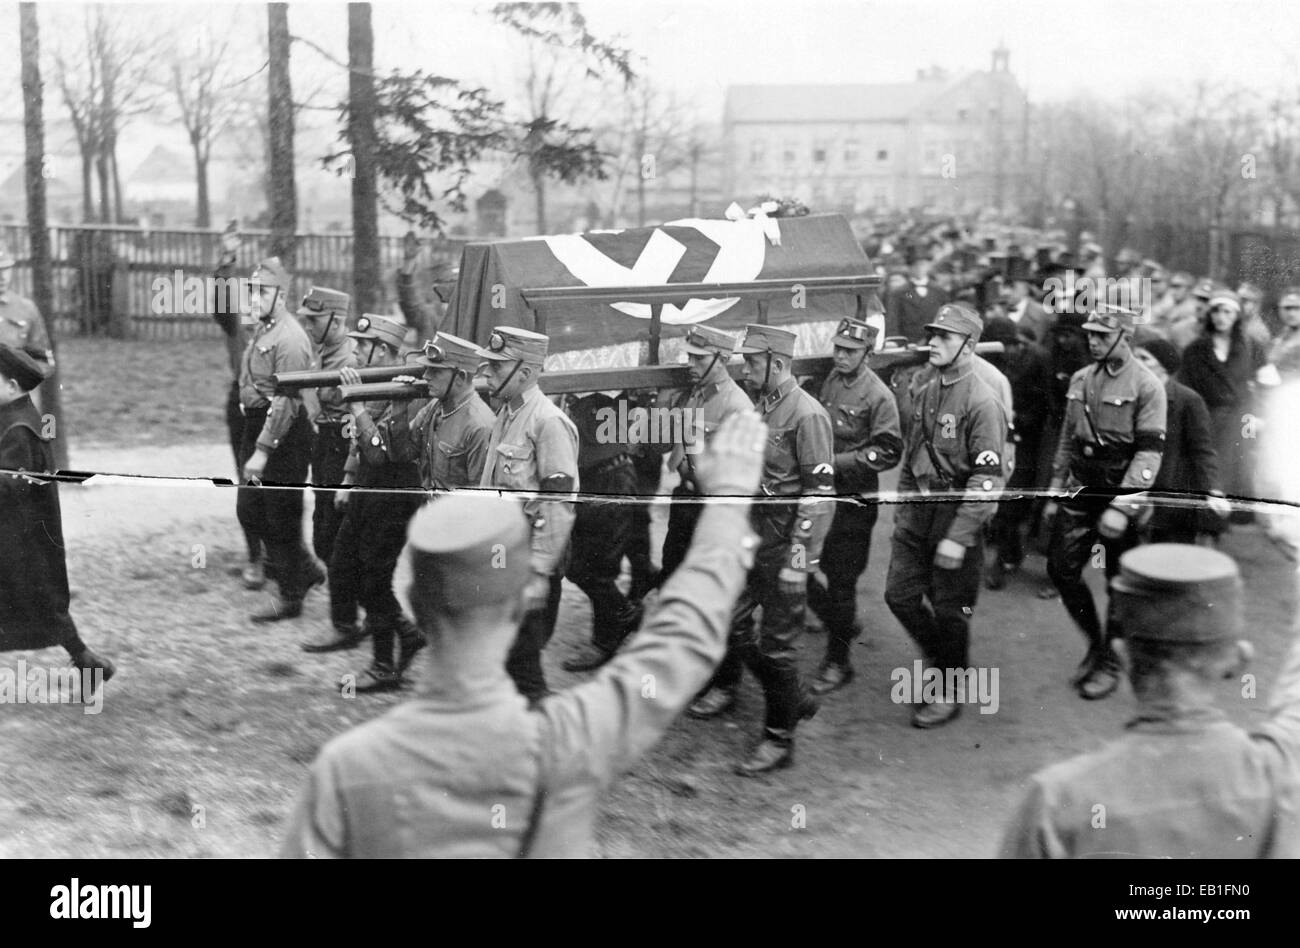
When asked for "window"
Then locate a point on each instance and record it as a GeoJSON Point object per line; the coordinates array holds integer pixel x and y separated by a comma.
{"type": "Point", "coordinates": [961, 115]}
{"type": "Point", "coordinates": [788, 154]}
{"type": "Point", "coordinates": [882, 154]}
{"type": "Point", "coordinates": [931, 154]}
{"type": "Point", "coordinates": [819, 156]}
{"type": "Point", "coordinates": [851, 152]}
{"type": "Point", "coordinates": [758, 152]}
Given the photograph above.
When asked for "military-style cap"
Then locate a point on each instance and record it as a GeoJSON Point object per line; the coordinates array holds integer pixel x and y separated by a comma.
{"type": "Point", "coordinates": [1204, 289]}
{"type": "Point", "coordinates": [320, 300]}
{"type": "Point", "coordinates": [705, 340]}
{"type": "Point", "coordinates": [382, 328]}
{"type": "Point", "coordinates": [270, 272]}
{"type": "Point", "coordinates": [774, 339]}
{"type": "Point", "coordinates": [1106, 317]}
{"type": "Point", "coordinates": [467, 550]}
{"type": "Point", "coordinates": [1175, 592]}
{"type": "Point", "coordinates": [22, 368]}
{"type": "Point", "coordinates": [855, 334]}
{"type": "Point", "coordinates": [445, 351]}
{"type": "Point", "coordinates": [509, 343]}
{"type": "Point", "coordinates": [6, 259]}
{"type": "Point", "coordinates": [954, 317]}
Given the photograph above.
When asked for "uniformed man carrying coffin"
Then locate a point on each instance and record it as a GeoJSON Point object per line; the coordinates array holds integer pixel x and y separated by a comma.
{"type": "Point", "coordinates": [1183, 782]}
{"type": "Point", "coordinates": [954, 429]}
{"type": "Point", "coordinates": [276, 446]}
{"type": "Point", "coordinates": [467, 768]}
{"type": "Point", "coordinates": [533, 448]}
{"type": "Point", "coordinates": [864, 422]}
{"type": "Point", "coordinates": [451, 432]}
{"type": "Point", "coordinates": [791, 521]}
{"type": "Point", "coordinates": [1110, 448]}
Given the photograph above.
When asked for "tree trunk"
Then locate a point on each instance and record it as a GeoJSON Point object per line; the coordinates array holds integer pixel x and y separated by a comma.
{"type": "Point", "coordinates": [283, 199]}
{"type": "Point", "coordinates": [119, 212]}
{"type": "Point", "coordinates": [101, 172]}
{"type": "Point", "coordinates": [362, 106]}
{"type": "Point", "coordinates": [203, 218]}
{"type": "Point", "coordinates": [42, 270]}
{"type": "Point", "coordinates": [539, 199]}
{"type": "Point", "coordinates": [87, 187]}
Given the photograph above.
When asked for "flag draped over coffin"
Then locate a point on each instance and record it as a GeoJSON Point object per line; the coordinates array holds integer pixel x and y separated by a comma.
{"type": "Point", "coordinates": [686, 251]}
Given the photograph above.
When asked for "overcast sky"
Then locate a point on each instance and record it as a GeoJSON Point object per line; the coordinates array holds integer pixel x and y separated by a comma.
{"type": "Point", "coordinates": [1103, 47]}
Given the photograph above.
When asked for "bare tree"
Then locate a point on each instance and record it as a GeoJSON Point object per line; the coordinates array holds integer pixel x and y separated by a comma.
{"type": "Point", "coordinates": [362, 107]}
{"type": "Point", "coordinates": [39, 234]}
{"type": "Point", "coordinates": [282, 199]}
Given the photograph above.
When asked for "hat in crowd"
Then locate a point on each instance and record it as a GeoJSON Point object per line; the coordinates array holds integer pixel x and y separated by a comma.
{"type": "Point", "coordinates": [1001, 329]}
{"type": "Point", "coordinates": [510, 344]}
{"type": "Point", "coordinates": [469, 549]}
{"type": "Point", "coordinates": [707, 341]}
{"type": "Point", "coordinates": [6, 258]}
{"type": "Point", "coordinates": [774, 339]}
{"type": "Point", "coordinates": [270, 272]}
{"type": "Point", "coordinates": [21, 367]}
{"type": "Point", "coordinates": [382, 328]}
{"type": "Point", "coordinates": [1226, 298]}
{"type": "Point", "coordinates": [1292, 295]}
{"type": "Point", "coordinates": [1164, 352]}
{"type": "Point", "coordinates": [954, 317]}
{"type": "Point", "coordinates": [1043, 255]}
{"type": "Point", "coordinates": [855, 334]}
{"type": "Point", "coordinates": [1106, 317]}
{"type": "Point", "coordinates": [1018, 268]}
{"type": "Point", "coordinates": [320, 300]}
{"type": "Point", "coordinates": [1178, 593]}
{"type": "Point", "coordinates": [445, 351]}
{"type": "Point", "coordinates": [1204, 289]}
{"type": "Point", "coordinates": [1249, 291]}
{"type": "Point", "coordinates": [1128, 256]}
{"type": "Point", "coordinates": [1069, 322]}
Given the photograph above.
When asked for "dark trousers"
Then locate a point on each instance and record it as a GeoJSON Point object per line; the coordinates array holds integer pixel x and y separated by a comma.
{"type": "Point", "coordinates": [524, 663]}
{"type": "Point", "coordinates": [934, 605]}
{"type": "Point", "coordinates": [844, 559]}
{"type": "Point", "coordinates": [1006, 530]}
{"type": "Point", "coordinates": [329, 453]}
{"type": "Point", "coordinates": [1075, 542]}
{"type": "Point", "coordinates": [366, 549]}
{"type": "Point", "coordinates": [769, 649]}
{"type": "Point", "coordinates": [648, 468]}
{"type": "Point", "coordinates": [235, 429]}
{"type": "Point", "coordinates": [602, 530]}
{"type": "Point", "coordinates": [683, 514]}
{"type": "Point", "coordinates": [272, 515]}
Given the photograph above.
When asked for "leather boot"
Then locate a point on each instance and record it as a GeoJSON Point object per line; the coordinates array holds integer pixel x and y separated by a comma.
{"type": "Point", "coordinates": [338, 639]}
{"type": "Point", "coordinates": [409, 642]}
{"type": "Point", "coordinates": [280, 608]}
{"type": "Point", "coordinates": [832, 677]}
{"type": "Point", "coordinates": [89, 661]}
{"type": "Point", "coordinates": [254, 575]}
{"type": "Point", "coordinates": [772, 753]}
{"type": "Point", "coordinates": [712, 703]}
{"type": "Point", "coordinates": [380, 676]}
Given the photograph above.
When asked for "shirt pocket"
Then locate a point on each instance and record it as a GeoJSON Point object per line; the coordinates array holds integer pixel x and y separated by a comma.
{"type": "Point", "coordinates": [452, 460]}
{"type": "Point", "coordinates": [847, 420]}
{"type": "Point", "coordinates": [780, 462]}
{"type": "Point", "coordinates": [1115, 414]}
{"type": "Point", "coordinates": [516, 467]}
{"type": "Point", "coordinates": [261, 363]}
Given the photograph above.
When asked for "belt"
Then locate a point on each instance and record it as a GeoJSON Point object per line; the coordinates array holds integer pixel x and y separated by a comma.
{"type": "Point", "coordinates": [1105, 452]}
{"type": "Point", "coordinates": [604, 467]}
{"type": "Point", "coordinates": [331, 424]}
{"type": "Point", "coordinates": [261, 409]}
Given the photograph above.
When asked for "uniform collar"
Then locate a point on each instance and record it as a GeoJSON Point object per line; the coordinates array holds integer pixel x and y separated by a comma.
{"type": "Point", "coordinates": [1112, 366]}
{"type": "Point", "coordinates": [528, 396]}
{"type": "Point", "coordinates": [458, 405]}
{"type": "Point", "coordinates": [1167, 720]}
{"type": "Point", "coordinates": [946, 381]}
{"type": "Point", "coordinates": [774, 398]}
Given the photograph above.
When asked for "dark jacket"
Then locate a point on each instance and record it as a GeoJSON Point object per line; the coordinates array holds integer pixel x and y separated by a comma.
{"type": "Point", "coordinates": [906, 313]}
{"type": "Point", "coordinates": [1189, 463]}
{"type": "Point", "coordinates": [33, 572]}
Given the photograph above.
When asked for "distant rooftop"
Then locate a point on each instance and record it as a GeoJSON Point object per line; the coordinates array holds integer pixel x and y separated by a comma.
{"type": "Point", "coordinates": [877, 102]}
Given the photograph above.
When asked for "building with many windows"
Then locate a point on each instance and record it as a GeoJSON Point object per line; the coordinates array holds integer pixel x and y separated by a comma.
{"type": "Point", "coordinates": [948, 143]}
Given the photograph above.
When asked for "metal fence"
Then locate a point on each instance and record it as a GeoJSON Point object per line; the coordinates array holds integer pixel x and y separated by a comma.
{"type": "Point", "coordinates": [130, 282]}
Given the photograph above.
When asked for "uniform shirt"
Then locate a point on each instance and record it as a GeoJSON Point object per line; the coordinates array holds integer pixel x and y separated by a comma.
{"type": "Point", "coordinates": [226, 311]}
{"type": "Point", "coordinates": [865, 427]}
{"type": "Point", "coordinates": [962, 421]}
{"type": "Point", "coordinates": [383, 445]}
{"type": "Point", "coordinates": [1176, 786]}
{"type": "Point", "coordinates": [21, 326]}
{"type": "Point", "coordinates": [331, 357]}
{"type": "Point", "coordinates": [1123, 405]}
{"type": "Point", "coordinates": [278, 345]}
{"type": "Point", "coordinates": [708, 405]}
{"type": "Point", "coordinates": [800, 462]}
{"type": "Point", "coordinates": [452, 445]}
{"type": "Point", "coordinates": [457, 773]}
{"type": "Point", "coordinates": [528, 445]}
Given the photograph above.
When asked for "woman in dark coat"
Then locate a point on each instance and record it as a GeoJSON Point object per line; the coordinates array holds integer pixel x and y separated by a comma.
{"type": "Point", "coordinates": [33, 572]}
{"type": "Point", "coordinates": [1221, 367]}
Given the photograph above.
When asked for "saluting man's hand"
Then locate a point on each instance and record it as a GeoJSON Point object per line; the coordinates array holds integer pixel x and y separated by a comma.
{"type": "Point", "coordinates": [349, 376]}
{"type": "Point", "coordinates": [1113, 523]}
{"type": "Point", "coordinates": [792, 582]}
{"type": "Point", "coordinates": [255, 466]}
{"type": "Point", "coordinates": [949, 554]}
{"type": "Point", "coordinates": [535, 593]}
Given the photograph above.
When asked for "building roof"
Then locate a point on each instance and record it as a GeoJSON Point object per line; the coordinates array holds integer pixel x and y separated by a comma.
{"type": "Point", "coordinates": [163, 166]}
{"type": "Point", "coordinates": [877, 102]}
